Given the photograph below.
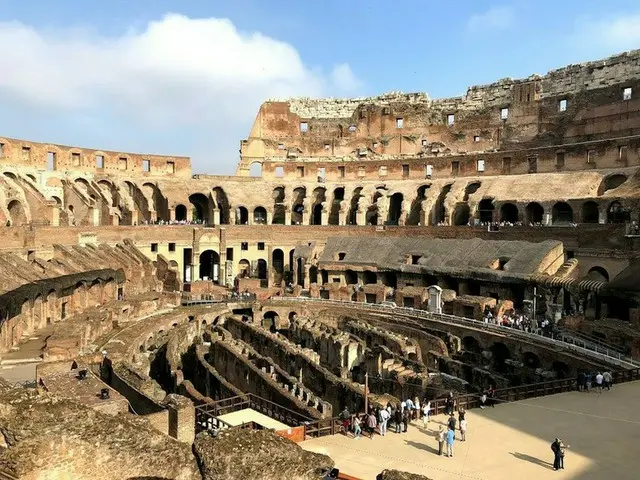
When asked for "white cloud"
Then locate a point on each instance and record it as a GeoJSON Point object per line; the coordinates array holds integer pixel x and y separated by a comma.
{"type": "Point", "coordinates": [614, 33]}
{"type": "Point", "coordinates": [344, 79]}
{"type": "Point", "coordinates": [496, 18]}
{"type": "Point", "coordinates": [201, 74]}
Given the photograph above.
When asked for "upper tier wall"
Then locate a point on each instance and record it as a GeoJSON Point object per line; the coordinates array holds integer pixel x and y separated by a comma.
{"type": "Point", "coordinates": [579, 103]}
{"type": "Point", "coordinates": [46, 156]}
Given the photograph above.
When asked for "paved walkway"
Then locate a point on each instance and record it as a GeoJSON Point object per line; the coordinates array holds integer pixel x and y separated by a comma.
{"type": "Point", "coordinates": [511, 441]}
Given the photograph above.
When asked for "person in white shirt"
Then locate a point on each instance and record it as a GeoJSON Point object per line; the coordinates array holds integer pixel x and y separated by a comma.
{"type": "Point", "coordinates": [426, 410]}
{"type": "Point", "coordinates": [607, 380]}
{"type": "Point", "coordinates": [384, 418]}
{"type": "Point", "coordinates": [599, 380]}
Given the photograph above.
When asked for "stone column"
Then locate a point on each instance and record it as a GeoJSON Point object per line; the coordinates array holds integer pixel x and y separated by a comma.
{"type": "Point", "coordinates": [324, 216]}
{"type": "Point", "coordinates": [216, 216]}
{"type": "Point", "coordinates": [361, 217]}
{"type": "Point", "coordinates": [182, 418]}
{"type": "Point", "coordinates": [602, 215]}
{"type": "Point", "coordinates": [172, 214]}
{"type": "Point", "coordinates": [306, 276]}
{"type": "Point", "coordinates": [269, 217]}
{"type": "Point", "coordinates": [287, 216]}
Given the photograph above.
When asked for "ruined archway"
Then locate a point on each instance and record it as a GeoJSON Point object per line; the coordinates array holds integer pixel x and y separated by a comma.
{"type": "Point", "coordinates": [471, 344]}
{"type": "Point", "coordinates": [259, 216]}
{"type": "Point", "coordinates": [353, 208]}
{"type": "Point", "coordinates": [244, 268]}
{"type": "Point", "coordinates": [395, 208]}
{"type": "Point", "coordinates": [262, 269]}
{"type": "Point", "coordinates": [440, 212]}
{"type": "Point", "coordinates": [222, 202]}
{"type": "Point", "coordinates": [17, 213]}
{"type": "Point", "coordinates": [500, 354]}
{"type": "Point", "coordinates": [200, 208]}
{"type": "Point", "coordinates": [210, 266]}
{"type": "Point", "coordinates": [242, 216]}
{"type": "Point", "coordinates": [616, 213]}
{"type": "Point", "coordinates": [611, 182]}
{"type": "Point", "coordinates": [416, 206]}
{"type": "Point", "coordinates": [590, 212]}
{"type": "Point", "coordinates": [277, 261]}
{"type": "Point", "coordinates": [279, 210]}
{"type": "Point", "coordinates": [534, 213]}
{"type": "Point", "coordinates": [297, 206]}
{"type": "Point", "coordinates": [318, 199]}
{"type": "Point", "coordinates": [485, 210]}
{"type": "Point", "coordinates": [530, 360]}
{"type": "Point", "coordinates": [369, 277]}
{"type": "Point", "coordinates": [598, 273]}
{"type": "Point", "coordinates": [509, 213]}
{"type": "Point", "coordinates": [334, 214]}
{"type": "Point", "coordinates": [181, 213]}
{"type": "Point", "coordinates": [350, 277]}
{"type": "Point", "coordinates": [461, 214]}
{"type": "Point", "coordinates": [561, 214]}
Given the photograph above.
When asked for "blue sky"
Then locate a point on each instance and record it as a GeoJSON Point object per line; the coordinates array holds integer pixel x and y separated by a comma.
{"type": "Point", "coordinates": [187, 77]}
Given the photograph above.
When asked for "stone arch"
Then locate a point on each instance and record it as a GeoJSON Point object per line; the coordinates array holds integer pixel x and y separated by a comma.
{"type": "Point", "coordinates": [530, 360]}
{"type": "Point", "coordinates": [297, 206]}
{"type": "Point", "coordinates": [611, 182]}
{"type": "Point", "coordinates": [471, 344]}
{"type": "Point", "coordinates": [181, 213]}
{"type": "Point", "coordinates": [561, 369]}
{"type": "Point", "coordinates": [416, 206]}
{"type": "Point", "coordinates": [461, 214]}
{"type": "Point", "coordinates": [154, 197]}
{"type": "Point", "coordinates": [334, 213]}
{"type": "Point", "coordinates": [201, 208]}
{"type": "Point", "coordinates": [244, 268]}
{"type": "Point", "coordinates": [534, 213]}
{"type": "Point", "coordinates": [17, 213]}
{"type": "Point", "coordinates": [313, 274]}
{"type": "Point", "coordinates": [509, 213]}
{"type": "Point", "coordinates": [222, 202]}
{"type": "Point", "coordinates": [395, 208]}
{"type": "Point", "coordinates": [440, 211]}
{"type": "Point", "coordinates": [259, 216]}
{"type": "Point", "coordinates": [279, 210]}
{"type": "Point", "coordinates": [500, 353]}
{"type": "Point", "coordinates": [353, 208]}
{"type": "Point", "coordinates": [270, 320]}
{"type": "Point", "coordinates": [210, 266]}
{"type": "Point", "coordinates": [485, 210]}
{"type": "Point", "coordinates": [616, 213]}
{"type": "Point", "coordinates": [561, 214]}
{"type": "Point", "coordinates": [38, 312]}
{"type": "Point", "coordinates": [598, 273]}
{"type": "Point", "coordinates": [262, 269]}
{"type": "Point", "coordinates": [57, 200]}
{"type": "Point", "coordinates": [242, 216]}
{"type": "Point", "coordinates": [277, 262]}
{"type": "Point", "coordinates": [470, 189]}
{"type": "Point", "coordinates": [590, 212]}
{"type": "Point", "coordinates": [369, 277]}
{"type": "Point", "coordinates": [51, 307]}
{"type": "Point", "coordinates": [319, 196]}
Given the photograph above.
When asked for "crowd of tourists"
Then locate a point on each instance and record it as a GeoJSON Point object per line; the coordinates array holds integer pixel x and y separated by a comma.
{"type": "Point", "coordinates": [173, 222]}
{"type": "Point", "coordinates": [519, 321]}
{"type": "Point", "coordinates": [399, 417]}
{"type": "Point", "coordinates": [587, 382]}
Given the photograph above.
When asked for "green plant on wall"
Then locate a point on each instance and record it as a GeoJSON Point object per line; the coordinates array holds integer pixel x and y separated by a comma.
{"type": "Point", "coordinates": [384, 140]}
{"type": "Point", "coordinates": [410, 138]}
{"type": "Point", "coordinates": [459, 135]}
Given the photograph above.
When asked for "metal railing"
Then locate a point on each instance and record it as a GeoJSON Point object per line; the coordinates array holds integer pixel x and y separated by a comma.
{"type": "Point", "coordinates": [604, 354]}
{"type": "Point", "coordinates": [587, 341]}
{"type": "Point", "coordinates": [208, 415]}
{"type": "Point", "coordinates": [332, 426]}
{"type": "Point", "coordinates": [209, 298]}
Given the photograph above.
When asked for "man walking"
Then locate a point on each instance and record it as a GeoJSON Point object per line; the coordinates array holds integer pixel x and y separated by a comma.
{"type": "Point", "coordinates": [398, 419]}
{"type": "Point", "coordinates": [599, 381]}
{"type": "Point", "coordinates": [451, 436]}
{"type": "Point", "coordinates": [607, 379]}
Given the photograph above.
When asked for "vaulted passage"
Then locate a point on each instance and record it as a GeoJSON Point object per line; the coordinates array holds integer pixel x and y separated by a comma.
{"type": "Point", "coordinates": [534, 213]}
{"type": "Point", "coordinates": [210, 266]}
{"type": "Point", "coordinates": [562, 214]}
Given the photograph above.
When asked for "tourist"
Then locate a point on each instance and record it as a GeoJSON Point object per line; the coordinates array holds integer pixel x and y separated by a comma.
{"type": "Point", "coordinates": [451, 436]}
{"type": "Point", "coordinates": [461, 414]}
{"type": "Point", "coordinates": [483, 400]}
{"type": "Point", "coordinates": [441, 439]}
{"type": "Point", "coordinates": [409, 407]}
{"type": "Point", "coordinates": [451, 423]}
{"type": "Point", "coordinates": [371, 424]}
{"type": "Point", "coordinates": [383, 417]}
{"type": "Point", "coordinates": [357, 429]}
{"type": "Point", "coordinates": [398, 419]}
{"type": "Point", "coordinates": [449, 404]}
{"type": "Point", "coordinates": [406, 418]}
{"type": "Point", "coordinates": [345, 416]}
{"type": "Point", "coordinates": [599, 381]}
{"type": "Point", "coordinates": [463, 429]}
{"type": "Point", "coordinates": [491, 393]}
{"type": "Point", "coordinates": [581, 381]}
{"type": "Point", "coordinates": [426, 410]}
{"type": "Point", "coordinates": [416, 408]}
{"type": "Point", "coordinates": [607, 379]}
{"type": "Point", "coordinates": [587, 381]}
{"type": "Point", "coordinates": [558, 449]}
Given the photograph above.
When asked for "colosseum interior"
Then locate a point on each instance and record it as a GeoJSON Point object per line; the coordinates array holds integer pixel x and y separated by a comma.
{"type": "Point", "coordinates": [367, 251]}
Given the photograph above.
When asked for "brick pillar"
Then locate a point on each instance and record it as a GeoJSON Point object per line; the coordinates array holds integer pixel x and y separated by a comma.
{"type": "Point", "coordinates": [182, 418]}
{"type": "Point", "coordinates": [216, 216]}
